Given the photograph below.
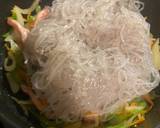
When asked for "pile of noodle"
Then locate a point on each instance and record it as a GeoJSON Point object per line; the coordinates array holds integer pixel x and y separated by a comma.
{"type": "Point", "coordinates": [90, 56]}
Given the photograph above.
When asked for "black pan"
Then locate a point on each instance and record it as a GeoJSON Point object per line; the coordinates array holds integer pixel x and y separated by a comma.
{"type": "Point", "coordinates": [11, 117]}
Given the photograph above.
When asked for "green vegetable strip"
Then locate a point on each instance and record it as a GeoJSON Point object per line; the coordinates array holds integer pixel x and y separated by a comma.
{"type": "Point", "coordinates": [29, 10]}
{"type": "Point", "coordinates": [13, 84]}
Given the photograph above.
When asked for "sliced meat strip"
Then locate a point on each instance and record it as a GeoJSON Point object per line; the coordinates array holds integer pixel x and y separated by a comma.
{"type": "Point", "coordinates": [43, 14]}
{"type": "Point", "coordinates": [20, 31]}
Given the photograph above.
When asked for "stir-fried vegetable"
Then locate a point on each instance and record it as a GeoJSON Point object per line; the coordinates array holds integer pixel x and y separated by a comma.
{"type": "Point", "coordinates": [29, 10]}
{"type": "Point", "coordinates": [131, 114]}
{"type": "Point", "coordinates": [14, 62]}
{"type": "Point", "coordinates": [17, 12]}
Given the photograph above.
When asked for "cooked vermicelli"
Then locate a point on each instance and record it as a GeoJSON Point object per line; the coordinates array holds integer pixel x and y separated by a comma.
{"type": "Point", "coordinates": [91, 56]}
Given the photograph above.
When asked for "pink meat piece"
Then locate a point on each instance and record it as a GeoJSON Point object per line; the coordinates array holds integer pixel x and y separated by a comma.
{"type": "Point", "coordinates": [43, 14]}
{"type": "Point", "coordinates": [20, 31]}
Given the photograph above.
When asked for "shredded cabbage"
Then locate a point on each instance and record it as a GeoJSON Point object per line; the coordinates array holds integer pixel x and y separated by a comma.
{"type": "Point", "coordinates": [17, 12]}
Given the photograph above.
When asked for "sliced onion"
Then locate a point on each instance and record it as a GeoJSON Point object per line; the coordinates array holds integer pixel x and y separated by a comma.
{"type": "Point", "coordinates": [29, 10]}
{"type": "Point", "coordinates": [6, 61]}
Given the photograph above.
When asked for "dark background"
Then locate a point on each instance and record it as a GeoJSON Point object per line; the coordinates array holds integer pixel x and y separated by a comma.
{"type": "Point", "coordinates": [8, 111]}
